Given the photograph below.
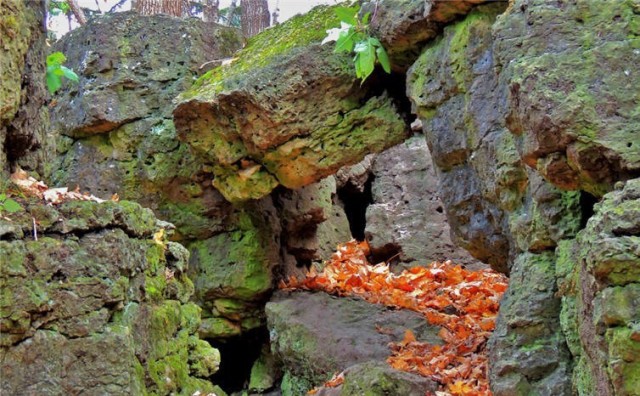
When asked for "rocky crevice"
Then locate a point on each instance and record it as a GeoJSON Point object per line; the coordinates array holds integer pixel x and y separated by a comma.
{"type": "Point", "coordinates": [522, 134]}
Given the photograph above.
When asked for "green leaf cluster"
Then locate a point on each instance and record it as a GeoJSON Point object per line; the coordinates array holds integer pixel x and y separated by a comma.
{"type": "Point", "coordinates": [353, 36]}
{"type": "Point", "coordinates": [8, 205]}
{"type": "Point", "coordinates": [57, 7]}
{"type": "Point", "coordinates": [55, 71]}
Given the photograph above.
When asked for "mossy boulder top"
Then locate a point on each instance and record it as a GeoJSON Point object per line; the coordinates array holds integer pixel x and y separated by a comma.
{"type": "Point", "coordinates": [286, 110]}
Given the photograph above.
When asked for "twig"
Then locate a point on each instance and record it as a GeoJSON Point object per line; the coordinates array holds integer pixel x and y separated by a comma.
{"type": "Point", "coordinates": [35, 229]}
{"type": "Point", "coordinates": [117, 5]}
{"type": "Point", "coordinates": [388, 261]}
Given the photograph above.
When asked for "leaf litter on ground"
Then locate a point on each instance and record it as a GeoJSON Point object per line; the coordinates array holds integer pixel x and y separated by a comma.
{"type": "Point", "coordinates": [463, 303]}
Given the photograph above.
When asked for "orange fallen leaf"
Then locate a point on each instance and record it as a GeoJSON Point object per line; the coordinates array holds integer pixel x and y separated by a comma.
{"type": "Point", "coordinates": [463, 303]}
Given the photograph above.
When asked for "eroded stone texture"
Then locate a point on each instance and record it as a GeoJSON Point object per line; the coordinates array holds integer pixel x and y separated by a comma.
{"type": "Point", "coordinates": [501, 211]}
{"type": "Point", "coordinates": [404, 27]}
{"type": "Point", "coordinates": [573, 93]}
{"type": "Point", "coordinates": [233, 272]}
{"type": "Point", "coordinates": [599, 277]}
{"type": "Point", "coordinates": [95, 305]}
{"type": "Point", "coordinates": [453, 87]}
{"type": "Point", "coordinates": [528, 355]}
{"type": "Point", "coordinates": [23, 114]}
{"type": "Point", "coordinates": [406, 216]}
{"type": "Point", "coordinates": [314, 335]}
{"type": "Point", "coordinates": [287, 111]}
{"type": "Point", "coordinates": [115, 132]}
{"type": "Point", "coordinates": [378, 378]}
{"type": "Point", "coordinates": [313, 224]}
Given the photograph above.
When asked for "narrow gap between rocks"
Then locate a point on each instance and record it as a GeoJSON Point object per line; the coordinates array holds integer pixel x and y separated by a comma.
{"type": "Point", "coordinates": [395, 84]}
{"type": "Point", "coordinates": [587, 202]}
{"type": "Point", "coordinates": [355, 203]}
{"type": "Point", "coordinates": [237, 355]}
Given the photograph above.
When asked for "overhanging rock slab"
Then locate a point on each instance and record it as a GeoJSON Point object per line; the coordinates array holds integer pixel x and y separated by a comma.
{"type": "Point", "coordinates": [285, 111]}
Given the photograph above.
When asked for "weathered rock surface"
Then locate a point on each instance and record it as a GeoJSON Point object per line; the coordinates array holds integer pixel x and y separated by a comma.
{"type": "Point", "coordinates": [406, 216]}
{"type": "Point", "coordinates": [404, 27]}
{"type": "Point", "coordinates": [573, 100]}
{"type": "Point", "coordinates": [379, 379]}
{"type": "Point", "coordinates": [23, 115]}
{"type": "Point", "coordinates": [512, 112]}
{"type": "Point", "coordinates": [599, 277]}
{"type": "Point", "coordinates": [452, 85]}
{"type": "Point", "coordinates": [116, 123]}
{"type": "Point", "coordinates": [528, 354]}
{"type": "Point", "coordinates": [314, 335]}
{"type": "Point", "coordinates": [95, 305]}
{"type": "Point", "coordinates": [313, 224]}
{"type": "Point", "coordinates": [288, 111]}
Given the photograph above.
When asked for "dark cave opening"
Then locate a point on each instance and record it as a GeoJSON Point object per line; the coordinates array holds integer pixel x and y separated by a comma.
{"type": "Point", "coordinates": [395, 84]}
{"type": "Point", "coordinates": [237, 355]}
{"type": "Point", "coordinates": [587, 202]}
{"type": "Point", "coordinates": [355, 201]}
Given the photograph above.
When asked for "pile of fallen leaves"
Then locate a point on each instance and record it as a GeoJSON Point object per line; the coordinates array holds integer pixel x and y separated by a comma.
{"type": "Point", "coordinates": [463, 303]}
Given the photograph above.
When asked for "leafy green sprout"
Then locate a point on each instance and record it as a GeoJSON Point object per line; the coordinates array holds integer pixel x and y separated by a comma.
{"type": "Point", "coordinates": [353, 36]}
{"type": "Point", "coordinates": [8, 205]}
{"type": "Point", "coordinates": [57, 7]}
{"type": "Point", "coordinates": [56, 71]}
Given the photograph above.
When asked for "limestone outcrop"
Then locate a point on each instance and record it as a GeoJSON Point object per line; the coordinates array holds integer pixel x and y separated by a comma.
{"type": "Point", "coordinates": [24, 119]}
{"type": "Point", "coordinates": [314, 335]}
{"type": "Point", "coordinates": [599, 280]}
{"type": "Point", "coordinates": [92, 302]}
{"type": "Point", "coordinates": [517, 108]}
{"type": "Point", "coordinates": [287, 111]}
{"type": "Point", "coordinates": [114, 128]}
{"type": "Point", "coordinates": [529, 113]}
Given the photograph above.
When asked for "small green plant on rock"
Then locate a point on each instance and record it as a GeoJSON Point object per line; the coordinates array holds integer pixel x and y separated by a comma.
{"type": "Point", "coordinates": [55, 72]}
{"type": "Point", "coordinates": [8, 205]}
{"type": "Point", "coordinates": [353, 35]}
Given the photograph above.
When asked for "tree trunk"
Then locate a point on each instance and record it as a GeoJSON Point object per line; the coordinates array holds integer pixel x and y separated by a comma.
{"type": "Point", "coordinates": [255, 16]}
{"type": "Point", "coordinates": [77, 11]}
{"type": "Point", "coordinates": [177, 8]}
{"type": "Point", "coordinates": [211, 10]}
{"type": "Point", "coordinates": [24, 117]}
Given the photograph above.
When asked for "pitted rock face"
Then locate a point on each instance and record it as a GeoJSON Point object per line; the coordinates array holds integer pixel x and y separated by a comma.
{"type": "Point", "coordinates": [23, 113]}
{"type": "Point", "coordinates": [599, 281]}
{"type": "Point", "coordinates": [404, 27]}
{"type": "Point", "coordinates": [573, 94]}
{"type": "Point", "coordinates": [131, 67]}
{"type": "Point", "coordinates": [287, 111]}
{"type": "Point", "coordinates": [115, 132]}
{"type": "Point", "coordinates": [406, 214]}
{"type": "Point", "coordinates": [90, 307]}
{"type": "Point", "coordinates": [454, 89]}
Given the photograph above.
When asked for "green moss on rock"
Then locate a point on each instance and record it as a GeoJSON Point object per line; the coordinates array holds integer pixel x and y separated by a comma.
{"type": "Point", "coordinates": [287, 106]}
{"type": "Point", "coordinates": [268, 47]}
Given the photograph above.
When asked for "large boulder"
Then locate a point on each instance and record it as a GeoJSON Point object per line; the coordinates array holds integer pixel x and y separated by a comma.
{"type": "Point", "coordinates": [116, 122]}
{"type": "Point", "coordinates": [573, 97]}
{"type": "Point", "coordinates": [406, 216]}
{"type": "Point", "coordinates": [314, 335]}
{"type": "Point", "coordinates": [23, 115]}
{"type": "Point", "coordinates": [453, 89]}
{"type": "Point", "coordinates": [599, 278]}
{"type": "Point", "coordinates": [97, 303]}
{"type": "Point", "coordinates": [286, 111]}
{"type": "Point", "coordinates": [517, 110]}
{"type": "Point", "coordinates": [404, 27]}
{"type": "Point", "coordinates": [501, 211]}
